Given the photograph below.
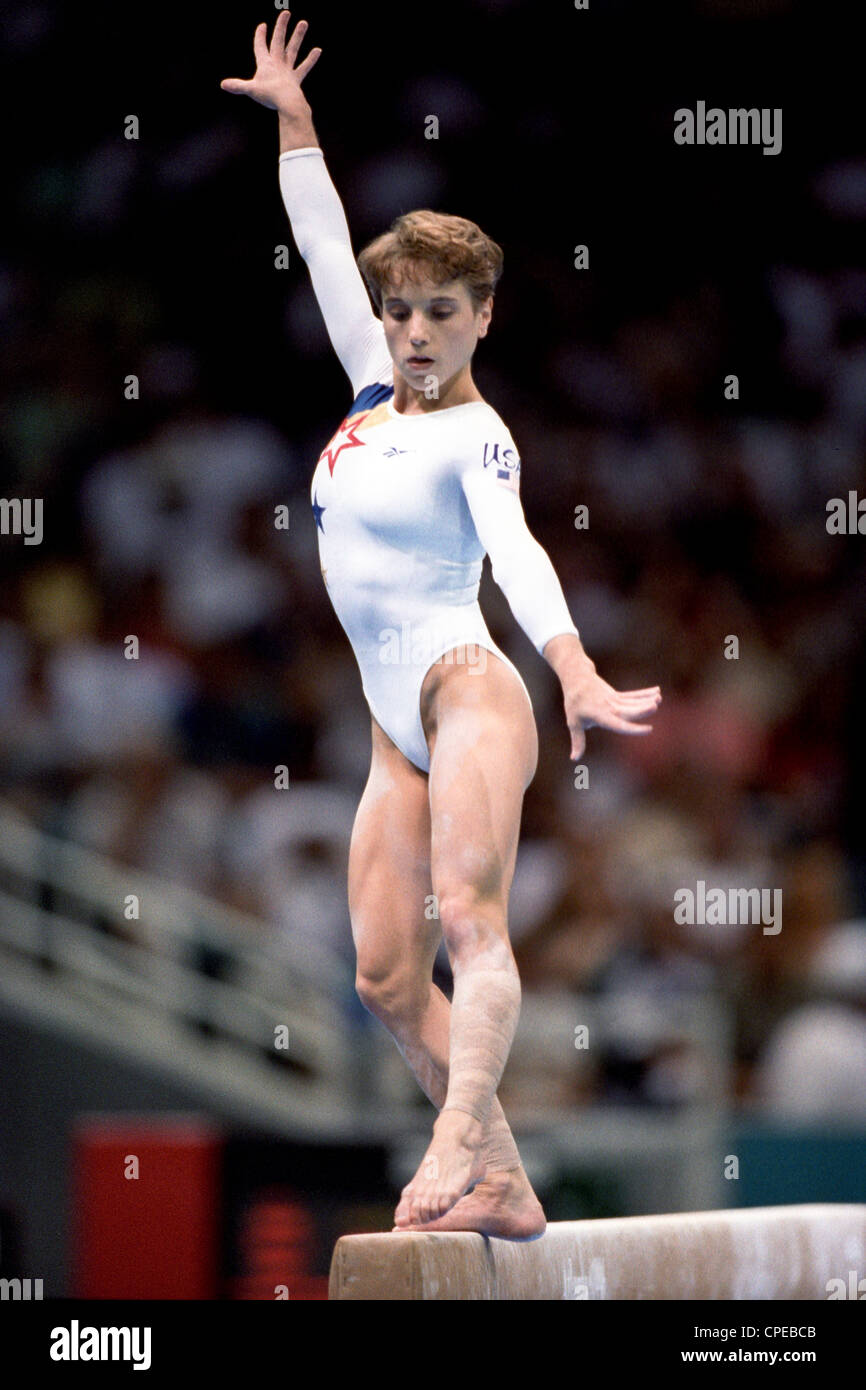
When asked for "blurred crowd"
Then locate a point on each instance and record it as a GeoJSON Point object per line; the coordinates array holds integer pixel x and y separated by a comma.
{"type": "Point", "coordinates": [706, 522]}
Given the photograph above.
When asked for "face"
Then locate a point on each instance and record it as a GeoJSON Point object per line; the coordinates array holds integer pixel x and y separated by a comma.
{"type": "Point", "coordinates": [431, 329]}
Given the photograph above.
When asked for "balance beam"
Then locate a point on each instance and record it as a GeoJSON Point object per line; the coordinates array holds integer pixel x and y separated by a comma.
{"type": "Point", "coordinates": [760, 1252]}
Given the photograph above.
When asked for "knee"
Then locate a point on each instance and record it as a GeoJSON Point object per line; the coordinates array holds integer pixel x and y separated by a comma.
{"type": "Point", "coordinates": [397, 998]}
{"type": "Point", "coordinates": [473, 925]}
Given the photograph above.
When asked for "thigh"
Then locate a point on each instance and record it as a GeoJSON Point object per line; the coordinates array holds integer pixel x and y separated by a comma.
{"type": "Point", "coordinates": [483, 755]}
{"type": "Point", "coordinates": [390, 886]}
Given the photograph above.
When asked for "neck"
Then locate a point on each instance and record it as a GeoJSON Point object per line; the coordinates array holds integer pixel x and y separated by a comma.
{"type": "Point", "coordinates": [458, 390]}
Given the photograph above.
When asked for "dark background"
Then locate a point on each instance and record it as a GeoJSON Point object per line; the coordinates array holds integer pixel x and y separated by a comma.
{"type": "Point", "coordinates": [707, 515]}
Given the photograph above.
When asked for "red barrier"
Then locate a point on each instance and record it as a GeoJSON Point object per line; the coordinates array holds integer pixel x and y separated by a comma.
{"type": "Point", "coordinates": [146, 1207]}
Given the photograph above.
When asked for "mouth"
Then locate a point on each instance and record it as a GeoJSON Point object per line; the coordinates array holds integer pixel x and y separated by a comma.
{"type": "Point", "coordinates": [419, 361]}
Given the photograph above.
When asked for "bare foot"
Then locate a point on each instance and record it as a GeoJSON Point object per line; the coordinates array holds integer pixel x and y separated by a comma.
{"type": "Point", "coordinates": [451, 1165]}
{"type": "Point", "coordinates": [502, 1204]}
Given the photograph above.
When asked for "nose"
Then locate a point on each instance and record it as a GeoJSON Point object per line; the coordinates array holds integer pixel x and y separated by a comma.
{"type": "Point", "coordinates": [417, 334]}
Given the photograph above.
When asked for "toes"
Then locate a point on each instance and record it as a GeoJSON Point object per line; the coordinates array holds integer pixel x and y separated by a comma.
{"type": "Point", "coordinates": [416, 1209]}
{"type": "Point", "coordinates": [423, 1202]}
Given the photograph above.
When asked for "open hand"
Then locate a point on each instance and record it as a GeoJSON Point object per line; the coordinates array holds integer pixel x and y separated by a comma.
{"type": "Point", "coordinates": [591, 702]}
{"type": "Point", "coordinates": [277, 82]}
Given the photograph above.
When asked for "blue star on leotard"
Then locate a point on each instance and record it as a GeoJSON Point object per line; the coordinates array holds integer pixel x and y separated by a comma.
{"type": "Point", "coordinates": [318, 512]}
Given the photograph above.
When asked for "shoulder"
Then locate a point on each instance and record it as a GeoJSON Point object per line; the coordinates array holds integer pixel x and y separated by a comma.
{"type": "Point", "coordinates": [372, 394]}
{"type": "Point", "coordinates": [483, 422]}
{"type": "Point", "coordinates": [488, 448]}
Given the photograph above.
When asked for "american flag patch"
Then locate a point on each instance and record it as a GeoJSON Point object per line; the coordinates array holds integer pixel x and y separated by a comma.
{"type": "Point", "coordinates": [505, 462]}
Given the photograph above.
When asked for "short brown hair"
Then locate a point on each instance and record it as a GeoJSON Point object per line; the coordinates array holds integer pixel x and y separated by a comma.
{"type": "Point", "coordinates": [447, 247]}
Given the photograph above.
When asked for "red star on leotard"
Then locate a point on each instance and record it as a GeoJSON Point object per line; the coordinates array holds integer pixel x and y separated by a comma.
{"type": "Point", "coordinates": [348, 440]}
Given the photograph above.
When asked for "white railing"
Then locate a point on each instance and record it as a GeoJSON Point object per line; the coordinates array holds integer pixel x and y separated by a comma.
{"type": "Point", "coordinates": [63, 932]}
{"type": "Point", "coordinates": [190, 969]}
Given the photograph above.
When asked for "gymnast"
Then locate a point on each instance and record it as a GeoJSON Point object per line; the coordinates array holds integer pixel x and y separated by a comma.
{"type": "Point", "coordinates": [419, 482]}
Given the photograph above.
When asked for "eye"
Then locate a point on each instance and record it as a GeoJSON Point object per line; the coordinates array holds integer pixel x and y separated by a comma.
{"type": "Point", "coordinates": [400, 314]}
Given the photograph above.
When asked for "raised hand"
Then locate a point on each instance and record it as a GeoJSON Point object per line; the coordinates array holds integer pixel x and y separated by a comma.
{"type": "Point", "coordinates": [277, 82]}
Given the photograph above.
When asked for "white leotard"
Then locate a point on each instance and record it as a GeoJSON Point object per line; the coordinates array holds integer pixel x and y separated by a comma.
{"type": "Point", "coordinates": [406, 506]}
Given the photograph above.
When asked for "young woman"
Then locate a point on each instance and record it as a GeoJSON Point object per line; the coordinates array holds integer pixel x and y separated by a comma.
{"type": "Point", "coordinates": [419, 482]}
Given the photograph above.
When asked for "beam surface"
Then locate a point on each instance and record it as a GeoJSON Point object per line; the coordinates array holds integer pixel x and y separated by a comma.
{"type": "Point", "coordinates": [759, 1252]}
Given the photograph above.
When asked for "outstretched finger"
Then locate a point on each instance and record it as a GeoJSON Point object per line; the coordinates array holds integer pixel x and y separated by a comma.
{"type": "Point", "coordinates": [278, 37]}
{"type": "Point", "coordinates": [635, 709]}
{"type": "Point", "coordinates": [623, 726]}
{"type": "Point", "coordinates": [309, 62]}
{"type": "Point", "coordinates": [260, 44]}
{"type": "Point", "coordinates": [237, 85]}
{"type": "Point", "coordinates": [295, 41]}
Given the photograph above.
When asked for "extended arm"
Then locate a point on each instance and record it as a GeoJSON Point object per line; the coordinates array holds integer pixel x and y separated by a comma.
{"type": "Point", "coordinates": [313, 205]}
{"type": "Point", "coordinates": [523, 570]}
{"type": "Point", "coordinates": [521, 566]}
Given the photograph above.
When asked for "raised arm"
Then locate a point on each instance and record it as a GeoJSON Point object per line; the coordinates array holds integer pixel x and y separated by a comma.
{"type": "Point", "coordinates": [313, 205]}
{"type": "Point", "coordinates": [523, 570]}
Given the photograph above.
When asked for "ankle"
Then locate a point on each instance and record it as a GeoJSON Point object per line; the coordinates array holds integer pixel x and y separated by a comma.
{"type": "Point", "coordinates": [468, 1125]}
{"type": "Point", "coordinates": [504, 1175]}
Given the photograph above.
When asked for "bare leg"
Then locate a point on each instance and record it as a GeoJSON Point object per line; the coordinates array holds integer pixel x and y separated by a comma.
{"type": "Point", "coordinates": [389, 884]}
{"type": "Point", "coordinates": [425, 1047]}
{"type": "Point", "coordinates": [483, 754]}
{"type": "Point", "coordinates": [502, 1202]}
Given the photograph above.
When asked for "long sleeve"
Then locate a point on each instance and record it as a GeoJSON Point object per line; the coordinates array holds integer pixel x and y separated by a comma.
{"type": "Point", "coordinates": [521, 566]}
{"type": "Point", "coordinates": [322, 237]}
